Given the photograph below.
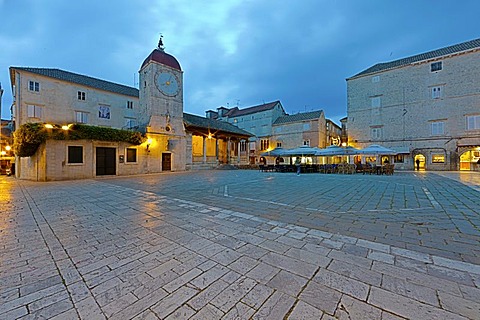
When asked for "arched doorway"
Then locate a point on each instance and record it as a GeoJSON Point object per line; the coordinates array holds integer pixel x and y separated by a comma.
{"type": "Point", "coordinates": [468, 160]}
{"type": "Point", "coordinates": [421, 164]}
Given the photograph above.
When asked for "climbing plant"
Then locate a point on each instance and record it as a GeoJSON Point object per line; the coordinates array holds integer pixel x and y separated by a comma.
{"type": "Point", "coordinates": [30, 136]}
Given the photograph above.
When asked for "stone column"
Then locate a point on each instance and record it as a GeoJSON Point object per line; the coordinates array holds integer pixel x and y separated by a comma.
{"type": "Point", "coordinates": [204, 149]}
{"type": "Point", "coordinates": [238, 152]}
{"type": "Point", "coordinates": [216, 150]}
{"type": "Point", "coordinates": [228, 150]}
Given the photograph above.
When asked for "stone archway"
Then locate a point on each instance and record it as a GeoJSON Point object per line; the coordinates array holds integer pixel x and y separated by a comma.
{"type": "Point", "coordinates": [468, 159]}
{"type": "Point", "coordinates": [421, 164]}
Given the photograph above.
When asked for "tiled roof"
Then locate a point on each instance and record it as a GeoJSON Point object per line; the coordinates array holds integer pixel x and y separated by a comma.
{"type": "Point", "coordinates": [235, 112]}
{"type": "Point", "coordinates": [162, 57]}
{"type": "Point", "coordinates": [201, 122]}
{"type": "Point", "coordinates": [299, 117]}
{"type": "Point", "coordinates": [420, 57]}
{"type": "Point", "coordinates": [81, 80]}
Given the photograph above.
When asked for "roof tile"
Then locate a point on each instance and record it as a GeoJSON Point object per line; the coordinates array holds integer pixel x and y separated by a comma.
{"type": "Point", "coordinates": [469, 45]}
{"type": "Point", "coordinates": [235, 112]}
{"type": "Point", "coordinates": [82, 80]}
{"type": "Point", "coordinates": [197, 121]}
{"type": "Point", "coordinates": [299, 117]}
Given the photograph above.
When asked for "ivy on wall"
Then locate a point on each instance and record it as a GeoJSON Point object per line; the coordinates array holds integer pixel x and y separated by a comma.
{"type": "Point", "coordinates": [30, 136]}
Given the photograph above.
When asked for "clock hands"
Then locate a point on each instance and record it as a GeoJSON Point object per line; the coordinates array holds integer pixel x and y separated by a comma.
{"type": "Point", "coordinates": [168, 83]}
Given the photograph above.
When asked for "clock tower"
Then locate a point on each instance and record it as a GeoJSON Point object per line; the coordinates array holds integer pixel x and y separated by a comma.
{"type": "Point", "coordinates": [161, 102]}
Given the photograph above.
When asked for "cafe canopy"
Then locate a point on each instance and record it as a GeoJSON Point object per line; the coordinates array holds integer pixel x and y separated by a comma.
{"type": "Point", "coordinates": [302, 151]}
{"type": "Point", "coordinates": [377, 150]}
{"type": "Point", "coordinates": [277, 152]}
{"type": "Point", "coordinates": [334, 150]}
{"type": "Point", "coordinates": [330, 151]}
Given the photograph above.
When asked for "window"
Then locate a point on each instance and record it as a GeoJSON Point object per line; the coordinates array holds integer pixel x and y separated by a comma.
{"type": "Point", "coordinates": [243, 145]}
{"type": "Point", "coordinates": [376, 133]}
{"type": "Point", "coordinates": [130, 123]}
{"type": "Point", "coordinates": [279, 144]}
{"type": "Point", "coordinates": [436, 66]}
{"type": "Point", "coordinates": [81, 117]}
{"type": "Point", "coordinates": [34, 111]}
{"type": "Point", "coordinates": [438, 158]}
{"type": "Point", "coordinates": [375, 79]}
{"type": "Point", "coordinates": [129, 104]}
{"type": "Point", "coordinates": [34, 86]}
{"type": "Point", "coordinates": [438, 128]}
{"type": "Point", "coordinates": [81, 95]}
{"type": "Point", "coordinates": [131, 155]}
{"type": "Point", "coordinates": [264, 144]}
{"type": "Point", "coordinates": [306, 142]}
{"type": "Point", "coordinates": [437, 92]}
{"type": "Point", "coordinates": [75, 154]}
{"type": "Point", "coordinates": [104, 112]}
{"type": "Point", "coordinates": [473, 122]}
{"type": "Point", "coordinates": [306, 126]}
{"type": "Point", "coordinates": [375, 102]}
{"type": "Point", "coordinates": [398, 158]}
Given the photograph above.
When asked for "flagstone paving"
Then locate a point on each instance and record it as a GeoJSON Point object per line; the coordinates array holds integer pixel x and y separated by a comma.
{"type": "Point", "coordinates": [242, 245]}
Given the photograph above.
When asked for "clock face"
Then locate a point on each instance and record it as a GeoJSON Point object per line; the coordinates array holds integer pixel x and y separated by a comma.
{"type": "Point", "coordinates": [168, 84]}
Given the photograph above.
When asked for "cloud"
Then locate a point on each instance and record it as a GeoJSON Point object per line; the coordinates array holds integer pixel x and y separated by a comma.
{"type": "Point", "coordinates": [242, 50]}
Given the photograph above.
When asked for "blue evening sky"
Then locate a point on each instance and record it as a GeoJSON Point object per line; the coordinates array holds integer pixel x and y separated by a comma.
{"type": "Point", "coordinates": [235, 52]}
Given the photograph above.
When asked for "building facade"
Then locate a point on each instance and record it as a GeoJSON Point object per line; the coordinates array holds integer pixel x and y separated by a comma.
{"type": "Point", "coordinates": [272, 127]}
{"type": "Point", "coordinates": [426, 107]}
{"type": "Point", "coordinates": [59, 98]}
{"type": "Point", "coordinates": [301, 129]}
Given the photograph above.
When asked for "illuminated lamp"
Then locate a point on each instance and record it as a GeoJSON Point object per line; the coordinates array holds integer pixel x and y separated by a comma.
{"type": "Point", "coordinates": [149, 142]}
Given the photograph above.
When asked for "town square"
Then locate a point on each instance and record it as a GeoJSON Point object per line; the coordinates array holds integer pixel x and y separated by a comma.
{"type": "Point", "coordinates": [242, 244]}
{"type": "Point", "coordinates": [250, 160]}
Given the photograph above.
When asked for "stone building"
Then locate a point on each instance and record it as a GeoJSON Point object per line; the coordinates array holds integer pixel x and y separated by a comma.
{"type": "Point", "coordinates": [59, 98]}
{"type": "Point", "coordinates": [272, 127]}
{"type": "Point", "coordinates": [426, 107]}
{"type": "Point", "coordinates": [308, 128]}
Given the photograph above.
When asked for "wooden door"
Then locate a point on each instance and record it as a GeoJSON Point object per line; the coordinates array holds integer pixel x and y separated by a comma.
{"type": "Point", "coordinates": [105, 161]}
{"type": "Point", "coordinates": [166, 161]}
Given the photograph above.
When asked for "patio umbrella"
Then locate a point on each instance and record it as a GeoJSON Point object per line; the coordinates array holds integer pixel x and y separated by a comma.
{"type": "Point", "coordinates": [302, 151]}
{"type": "Point", "coordinates": [334, 150]}
{"type": "Point", "coordinates": [377, 150]}
{"type": "Point", "coordinates": [277, 152]}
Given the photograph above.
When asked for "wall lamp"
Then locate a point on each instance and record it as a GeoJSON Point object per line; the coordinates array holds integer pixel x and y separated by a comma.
{"type": "Point", "coordinates": [149, 142]}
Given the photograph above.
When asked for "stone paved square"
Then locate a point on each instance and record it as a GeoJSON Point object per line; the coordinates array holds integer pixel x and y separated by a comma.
{"type": "Point", "coordinates": [242, 244]}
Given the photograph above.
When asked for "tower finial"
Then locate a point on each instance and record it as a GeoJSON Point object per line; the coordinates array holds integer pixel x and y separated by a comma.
{"type": "Point", "coordinates": [160, 43]}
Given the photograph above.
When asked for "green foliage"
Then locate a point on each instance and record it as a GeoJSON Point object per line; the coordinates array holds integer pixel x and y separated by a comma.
{"type": "Point", "coordinates": [30, 136]}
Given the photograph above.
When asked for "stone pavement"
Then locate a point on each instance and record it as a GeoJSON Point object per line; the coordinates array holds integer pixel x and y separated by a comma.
{"type": "Point", "coordinates": [242, 245]}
